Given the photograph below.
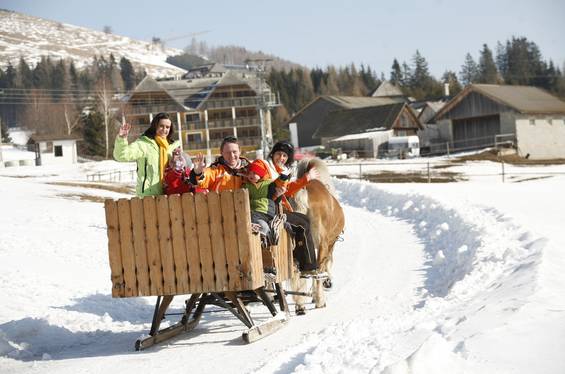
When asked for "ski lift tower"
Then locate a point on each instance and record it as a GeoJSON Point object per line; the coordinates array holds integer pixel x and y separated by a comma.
{"type": "Point", "coordinates": [266, 101]}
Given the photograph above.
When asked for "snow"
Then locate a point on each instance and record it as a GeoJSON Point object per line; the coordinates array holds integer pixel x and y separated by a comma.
{"type": "Point", "coordinates": [462, 277]}
{"type": "Point", "coordinates": [33, 37]}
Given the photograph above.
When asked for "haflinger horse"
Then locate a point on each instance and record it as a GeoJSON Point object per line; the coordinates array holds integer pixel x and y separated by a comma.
{"type": "Point", "coordinates": [318, 201]}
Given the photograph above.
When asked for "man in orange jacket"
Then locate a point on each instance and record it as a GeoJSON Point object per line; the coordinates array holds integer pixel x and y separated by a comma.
{"type": "Point", "coordinates": [226, 173]}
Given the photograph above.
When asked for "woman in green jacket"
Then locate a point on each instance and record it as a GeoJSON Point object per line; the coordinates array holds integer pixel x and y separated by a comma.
{"type": "Point", "coordinates": [151, 152]}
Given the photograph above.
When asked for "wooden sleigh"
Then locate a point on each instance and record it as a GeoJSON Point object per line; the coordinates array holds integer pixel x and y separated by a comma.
{"type": "Point", "coordinates": [200, 245]}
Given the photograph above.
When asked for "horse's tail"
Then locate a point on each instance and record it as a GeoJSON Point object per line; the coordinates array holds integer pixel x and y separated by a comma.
{"type": "Point", "coordinates": [306, 164]}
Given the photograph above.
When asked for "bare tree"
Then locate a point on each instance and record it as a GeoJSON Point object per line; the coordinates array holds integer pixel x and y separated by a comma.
{"type": "Point", "coordinates": [104, 102]}
{"type": "Point", "coordinates": [72, 116]}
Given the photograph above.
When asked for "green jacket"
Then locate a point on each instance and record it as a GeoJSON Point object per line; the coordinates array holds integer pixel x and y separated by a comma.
{"type": "Point", "coordinates": [145, 152]}
{"type": "Point", "coordinates": [260, 196]}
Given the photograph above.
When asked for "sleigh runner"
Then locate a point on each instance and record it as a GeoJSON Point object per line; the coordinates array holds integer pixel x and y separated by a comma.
{"type": "Point", "coordinates": [194, 244]}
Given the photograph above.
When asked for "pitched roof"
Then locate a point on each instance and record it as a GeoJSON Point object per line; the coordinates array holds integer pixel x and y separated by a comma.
{"type": "Point", "coordinates": [191, 93]}
{"type": "Point", "coordinates": [387, 89]}
{"type": "Point", "coordinates": [49, 137]}
{"type": "Point", "coordinates": [352, 102]}
{"type": "Point", "coordinates": [358, 120]}
{"type": "Point", "coordinates": [524, 99]}
{"type": "Point", "coordinates": [347, 102]}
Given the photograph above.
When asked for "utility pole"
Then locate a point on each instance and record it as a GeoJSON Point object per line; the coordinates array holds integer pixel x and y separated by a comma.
{"type": "Point", "coordinates": [264, 102]}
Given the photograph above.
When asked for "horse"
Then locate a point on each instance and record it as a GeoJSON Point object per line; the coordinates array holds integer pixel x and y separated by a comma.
{"type": "Point", "coordinates": [318, 201]}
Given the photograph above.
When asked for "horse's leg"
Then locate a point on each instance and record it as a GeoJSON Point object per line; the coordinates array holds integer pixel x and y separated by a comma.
{"type": "Point", "coordinates": [318, 294]}
{"type": "Point", "coordinates": [327, 283]}
{"type": "Point", "coordinates": [298, 285]}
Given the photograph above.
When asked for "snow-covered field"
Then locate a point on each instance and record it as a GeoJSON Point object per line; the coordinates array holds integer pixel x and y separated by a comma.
{"type": "Point", "coordinates": [34, 37]}
{"type": "Point", "coordinates": [429, 278]}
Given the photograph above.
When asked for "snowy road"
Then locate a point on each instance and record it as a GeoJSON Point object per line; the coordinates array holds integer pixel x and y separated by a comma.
{"type": "Point", "coordinates": [75, 324]}
{"type": "Point", "coordinates": [428, 279]}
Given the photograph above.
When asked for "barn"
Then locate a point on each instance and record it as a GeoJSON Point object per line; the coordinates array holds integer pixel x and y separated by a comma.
{"type": "Point", "coordinates": [304, 124]}
{"type": "Point", "coordinates": [484, 115]}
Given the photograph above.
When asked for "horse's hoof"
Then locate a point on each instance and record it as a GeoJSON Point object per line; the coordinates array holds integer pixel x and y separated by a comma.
{"type": "Point", "coordinates": [300, 311]}
{"type": "Point", "coordinates": [321, 306]}
{"type": "Point", "coordinates": [327, 283]}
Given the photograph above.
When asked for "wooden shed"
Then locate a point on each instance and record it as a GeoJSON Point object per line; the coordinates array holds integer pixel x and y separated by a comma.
{"type": "Point", "coordinates": [54, 149]}
{"type": "Point", "coordinates": [398, 117]}
{"type": "Point", "coordinates": [311, 116]}
{"type": "Point", "coordinates": [484, 115]}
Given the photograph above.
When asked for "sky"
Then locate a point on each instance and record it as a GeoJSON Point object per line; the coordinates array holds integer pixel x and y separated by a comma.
{"type": "Point", "coordinates": [320, 33]}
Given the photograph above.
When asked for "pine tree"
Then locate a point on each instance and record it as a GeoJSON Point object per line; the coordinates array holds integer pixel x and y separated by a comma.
{"type": "Point", "coordinates": [396, 73]}
{"type": "Point", "coordinates": [487, 68]}
{"type": "Point", "coordinates": [519, 69]}
{"type": "Point", "coordinates": [9, 81]}
{"type": "Point", "coordinates": [501, 59]}
{"type": "Point", "coordinates": [25, 75]}
{"type": "Point", "coordinates": [368, 79]}
{"type": "Point", "coordinates": [59, 81]}
{"type": "Point", "coordinates": [5, 136]}
{"type": "Point", "coordinates": [406, 75]}
{"type": "Point", "coordinates": [42, 73]}
{"type": "Point", "coordinates": [469, 71]}
{"type": "Point", "coordinates": [73, 78]}
{"type": "Point", "coordinates": [93, 134]}
{"type": "Point", "coordinates": [128, 74]}
{"type": "Point", "coordinates": [317, 77]}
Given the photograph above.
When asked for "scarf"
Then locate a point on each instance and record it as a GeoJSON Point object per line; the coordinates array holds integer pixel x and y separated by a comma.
{"type": "Point", "coordinates": [163, 157]}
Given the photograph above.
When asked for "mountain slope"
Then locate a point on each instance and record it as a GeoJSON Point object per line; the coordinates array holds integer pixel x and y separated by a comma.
{"type": "Point", "coordinates": [32, 37]}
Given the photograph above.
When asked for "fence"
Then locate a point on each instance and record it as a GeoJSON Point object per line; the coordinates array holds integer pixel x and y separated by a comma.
{"type": "Point", "coordinates": [429, 172]}
{"type": "Point", "coordinates": [112, 176]}
{"type": "Point", "coordinates": [497, 141]}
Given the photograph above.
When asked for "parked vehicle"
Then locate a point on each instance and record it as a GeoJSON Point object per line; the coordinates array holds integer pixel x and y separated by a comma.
{"type": "Point", "coordinates": [403, 147]}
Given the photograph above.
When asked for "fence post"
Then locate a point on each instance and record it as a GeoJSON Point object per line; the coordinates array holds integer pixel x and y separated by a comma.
{"type": "Point", "coordinates": [429, 177]}
{"type": "Point", "coordinates": [447, 145]}
{"type": "Point", "coordinates": [502, 164]}
{"type": "Point", "coordinates": [360, 172]}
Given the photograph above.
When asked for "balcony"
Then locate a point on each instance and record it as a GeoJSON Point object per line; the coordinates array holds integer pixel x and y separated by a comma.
{"type": "Point", "coordinates": [215, 143]}
{"type": "Point", "coordinates": [146, 109]}
{"type": "Point", "coordinates": [231, 102]}
{"type": "Point", "coordinates": [223, 123]}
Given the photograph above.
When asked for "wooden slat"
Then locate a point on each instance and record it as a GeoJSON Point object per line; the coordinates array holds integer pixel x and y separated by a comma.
{"type": "Point", "coordinates": [204, 244]}
{"type": "Point", "coordinates": [128, 254]}
{"type": "Point", "coordinates": [218, 249]}
{"type": "Point", "coordinates": [138, 224]}
{"type": "Point", "coordinates": [114, 251]}
{"type": "Point", "coordinates": [152, 238]}
{"type": "Point", "coordinates": [252, 277]}
{"type": "Point", "coordinates": [179, 246]}
{"type": "Point", "coordinates": [282, 257]}
{"type": "Point", "coordinates": [191, 242]}
{"type": "Point", "coordinates": [230, 240]}
{"type": "Point", "coordinates": [165, 245]}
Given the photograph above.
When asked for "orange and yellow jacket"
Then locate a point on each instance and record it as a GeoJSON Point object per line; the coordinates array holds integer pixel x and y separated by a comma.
{"type": "Point", "coordinates": [291, 187]}
{"type": "Point", "coordinates": [220, 177]}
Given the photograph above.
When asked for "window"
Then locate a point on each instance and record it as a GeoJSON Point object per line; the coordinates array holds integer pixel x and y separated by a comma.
{"type": "Point", "coordinates": [58, 151]}
{"type": "Point", "coordinates": [192, 117]}
{"type": "Point", "coordinates": [194, 138]}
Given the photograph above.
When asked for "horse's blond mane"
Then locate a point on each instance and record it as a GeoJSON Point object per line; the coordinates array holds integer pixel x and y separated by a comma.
{"type": "Point", "coordinates": [325, 177]}
{"type": "Point", "coordinates": [301, 197]}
